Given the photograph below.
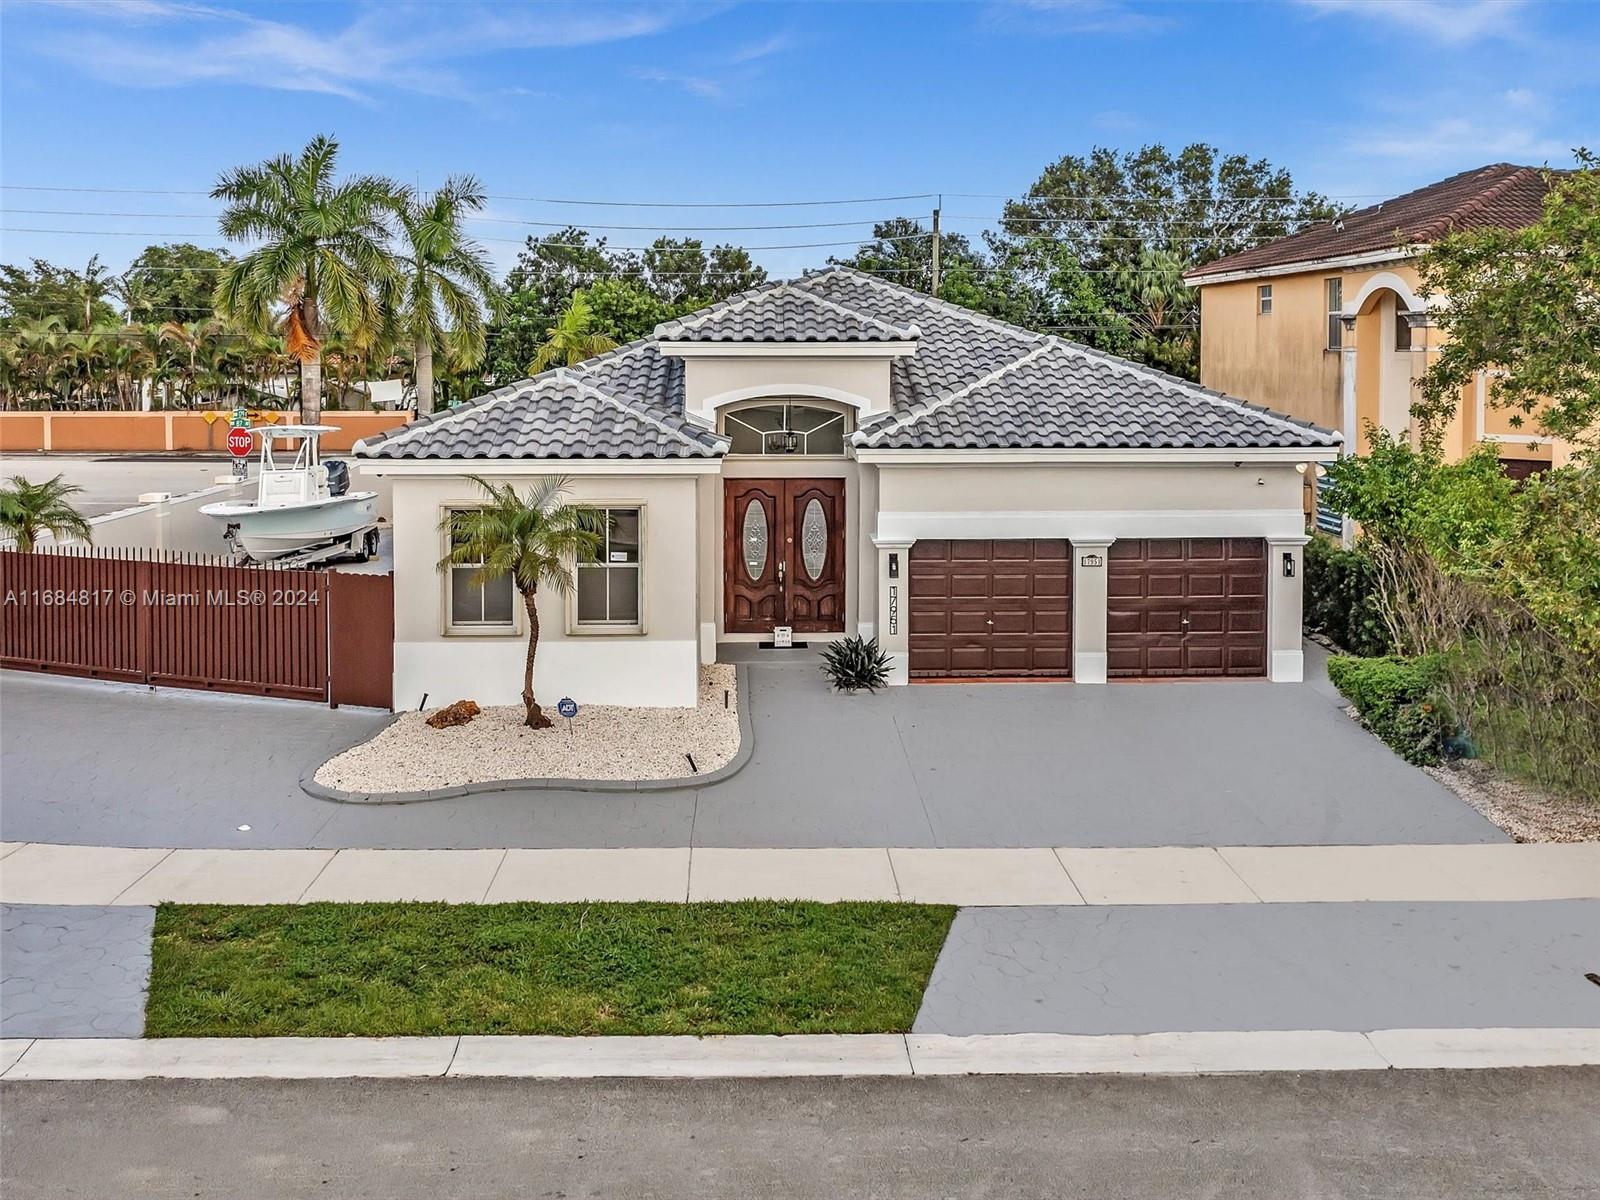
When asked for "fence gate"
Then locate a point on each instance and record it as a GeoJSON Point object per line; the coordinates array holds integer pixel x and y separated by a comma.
{"type": "Point", "coordinates": [192, 621]}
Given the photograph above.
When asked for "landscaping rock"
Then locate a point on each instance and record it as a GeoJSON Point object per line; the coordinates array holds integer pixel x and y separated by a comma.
{"type": "Point", "coordinates": [455, 714]}
{"type": "Point", "coordinates": [602, 743]}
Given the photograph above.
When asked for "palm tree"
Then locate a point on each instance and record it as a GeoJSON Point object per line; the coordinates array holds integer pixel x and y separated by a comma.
{"type": "Point", "coordinates": [571, 339]}
{"type": "Point", "coordinates": [30, 509]}
{"type": "Point", "coordinates": [532, 539]}
{"type": "Point", "coordinates": [323, 253]}
{"type": "Point", "coordinates": [195, 339]}
{"type": "Point", "coordinates": [444, 277]}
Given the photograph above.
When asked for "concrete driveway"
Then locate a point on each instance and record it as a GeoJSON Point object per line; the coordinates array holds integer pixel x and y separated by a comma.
{"type": "Point", "coordinates": [1228, 763]}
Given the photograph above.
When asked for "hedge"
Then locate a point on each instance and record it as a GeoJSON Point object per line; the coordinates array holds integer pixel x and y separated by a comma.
{"type": "Point", "coordinates": [1341, 598]}
{"type": "Point", "coordinates": [1398, 700]}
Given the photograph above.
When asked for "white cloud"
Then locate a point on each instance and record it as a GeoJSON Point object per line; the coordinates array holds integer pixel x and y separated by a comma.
{"type": "Point", "coordinates": [1454, 23]}
{"type": "Point", "coordinates": [765, 48]}
{"type": "Point", "coordinates": [397, 46]}
{"type": "Point", "coordinates": [1467, 141]}
{"type": "Point", "coordinates": [695, 85]}
{"type": "Point", "coordinates": [1074, 16]}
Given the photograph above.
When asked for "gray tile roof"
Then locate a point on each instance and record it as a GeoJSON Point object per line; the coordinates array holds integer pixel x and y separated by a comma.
{"type": "Point", "coordinates": [783, 314]}
{"type": "Point", "coordinates": [973, 383]}
{"type": "Point", "coordinates": [1063, 396]}
{"type": "Point", "coordinates": [557, 415]}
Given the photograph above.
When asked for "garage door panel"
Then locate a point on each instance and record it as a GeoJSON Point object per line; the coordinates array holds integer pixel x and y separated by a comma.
{"type": "Point", "coordinates": [1193, 606]}
{"type": "Point", "coordinates": [990, 608]}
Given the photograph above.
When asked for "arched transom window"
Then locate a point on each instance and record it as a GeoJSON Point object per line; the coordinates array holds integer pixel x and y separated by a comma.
{"type": "Point", "coordinates": [786, 427]}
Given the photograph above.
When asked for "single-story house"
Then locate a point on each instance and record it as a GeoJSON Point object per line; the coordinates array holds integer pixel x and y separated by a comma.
{"type": "Point", "coordinates": [840, 455]}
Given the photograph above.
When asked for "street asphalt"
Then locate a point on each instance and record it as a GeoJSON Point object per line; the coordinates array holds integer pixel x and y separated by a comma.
{"type": "Point", "coordinates": [1427, 1135]}
{"type": "Point", "coordinates": [1184, 764]}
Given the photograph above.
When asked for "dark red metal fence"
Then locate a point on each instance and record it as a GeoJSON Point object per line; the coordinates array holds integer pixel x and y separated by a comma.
{"type": "Point", "coordinates": [197, 622]}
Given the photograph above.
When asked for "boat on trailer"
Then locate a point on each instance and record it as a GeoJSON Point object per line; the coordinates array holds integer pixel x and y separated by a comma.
{"type": "Point", "coordinates": [303, 511]}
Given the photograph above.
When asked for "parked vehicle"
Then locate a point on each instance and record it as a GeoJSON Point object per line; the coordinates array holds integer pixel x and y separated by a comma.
{"type": "Point", "coordinates": [304, 510]}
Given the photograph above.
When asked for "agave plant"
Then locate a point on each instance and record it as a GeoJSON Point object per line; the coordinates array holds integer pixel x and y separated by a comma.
{"type": "Point", "coordinates": [855, 663]}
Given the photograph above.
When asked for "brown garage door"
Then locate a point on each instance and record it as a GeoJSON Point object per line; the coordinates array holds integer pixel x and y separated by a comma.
{"type": "Point", "coordinates": [1187, 606]}
{"type": "Point", "coordinates": [990, 608]}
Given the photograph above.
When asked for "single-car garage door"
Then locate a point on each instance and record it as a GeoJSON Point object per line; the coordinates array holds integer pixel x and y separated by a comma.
{"type": "Point", "coordinates": [982, 607]}
{"type": "Point", "coordinates": [1187, 606]}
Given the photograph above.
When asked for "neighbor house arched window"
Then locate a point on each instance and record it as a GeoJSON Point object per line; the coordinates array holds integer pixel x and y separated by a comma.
{"type": "Point", "coordinates": [787, 427]}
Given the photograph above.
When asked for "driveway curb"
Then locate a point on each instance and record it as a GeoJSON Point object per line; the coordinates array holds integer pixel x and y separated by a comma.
{"type": "Point", "coordinates": [319, 791]}
{"type": "Point", "coordinates": [1205, 1052]}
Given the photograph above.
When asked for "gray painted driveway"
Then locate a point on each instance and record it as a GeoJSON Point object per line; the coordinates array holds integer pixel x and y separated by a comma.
{"type": "Point", "coordinates": [1227, 763]}
{"type": "Point", "coordinates": [73, 971]}
{"type": "Point", "coordinates": [1271, 966]}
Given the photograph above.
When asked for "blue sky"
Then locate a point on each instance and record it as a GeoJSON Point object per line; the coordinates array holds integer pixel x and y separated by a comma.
{"type": "Point", "coordinates": [710, 102]}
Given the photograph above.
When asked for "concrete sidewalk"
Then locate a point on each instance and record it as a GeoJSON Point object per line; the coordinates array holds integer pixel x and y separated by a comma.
{"type": "Point", "coordinates": [44, 873]}
{"type": "Point", "coordinates": [830, 1055]}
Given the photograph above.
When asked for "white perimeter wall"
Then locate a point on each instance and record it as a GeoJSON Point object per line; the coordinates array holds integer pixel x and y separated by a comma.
{"type": "Point", "coordinates": [656, 668]}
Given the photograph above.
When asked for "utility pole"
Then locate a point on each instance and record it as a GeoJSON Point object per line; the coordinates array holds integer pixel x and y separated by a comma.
{"type": "Point", "coordinates": [936, 246]}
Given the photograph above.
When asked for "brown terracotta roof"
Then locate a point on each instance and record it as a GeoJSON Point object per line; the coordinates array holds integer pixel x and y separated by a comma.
{"type": "Point", "coordinates": [1502, 195]}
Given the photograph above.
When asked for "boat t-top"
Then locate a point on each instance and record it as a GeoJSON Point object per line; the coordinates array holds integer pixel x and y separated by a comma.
{"type": "Point", "coordinates": [304, 509]}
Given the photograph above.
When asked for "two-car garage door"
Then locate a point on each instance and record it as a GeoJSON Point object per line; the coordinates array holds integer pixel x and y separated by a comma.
{"type": "Point", "coordinates": [1177, 607]}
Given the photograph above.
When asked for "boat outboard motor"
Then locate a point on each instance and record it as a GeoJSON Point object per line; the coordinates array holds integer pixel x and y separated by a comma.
{"type": "Point", "coordinates": [338, 476]}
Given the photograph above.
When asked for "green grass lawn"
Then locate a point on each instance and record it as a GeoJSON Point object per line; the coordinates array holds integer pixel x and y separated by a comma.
{"type": "Point", "coordinates": [388, 969]}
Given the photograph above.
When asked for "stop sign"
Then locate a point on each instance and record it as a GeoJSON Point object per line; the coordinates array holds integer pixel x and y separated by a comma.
{"type": "Point", "coordinates": [239, 442]}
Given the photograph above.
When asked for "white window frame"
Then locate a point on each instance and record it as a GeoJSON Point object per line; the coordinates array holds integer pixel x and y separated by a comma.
{"type": "Point", "coordinates": [578, 628]}
{"type": "Point", "coordinates": [1333, 301]}
{"type": "Point", "coordinates": [448, 623]}
{"type": "Point", "coordinates": [1263, 299]}
{"type": "Point", "coordinates": [843, 411]}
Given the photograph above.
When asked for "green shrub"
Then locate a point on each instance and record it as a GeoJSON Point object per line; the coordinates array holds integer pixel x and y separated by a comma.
{"type": "Point", "coordinates": [854, 663]}
{"type": "Point", "coordinates": [1398, 700]}
{"type": "Point", "coordinates": [1341, 598]}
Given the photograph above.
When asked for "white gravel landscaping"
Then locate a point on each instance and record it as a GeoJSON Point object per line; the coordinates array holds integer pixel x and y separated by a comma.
{"type": "Point", "coordinates": [606, 743]}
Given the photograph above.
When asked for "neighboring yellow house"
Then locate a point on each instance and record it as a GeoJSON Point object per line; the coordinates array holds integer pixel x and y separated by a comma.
{"type": "Point", "coordinates": [1327, 325]}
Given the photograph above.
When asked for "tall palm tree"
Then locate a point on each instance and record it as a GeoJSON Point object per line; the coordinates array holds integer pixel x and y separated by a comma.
{"type": "Point", "coordinates": [572, 338]}
{"type": "Point", "coordinates": [196, 339]}
{"type": "Point", "coordinates": [444, 280]}
{"type": "Point", "coordinates": [324, 252]}
{"type": "Point", "coordinates": [30, 509]}
{"type": "Point", "coordinates": [531, 538]}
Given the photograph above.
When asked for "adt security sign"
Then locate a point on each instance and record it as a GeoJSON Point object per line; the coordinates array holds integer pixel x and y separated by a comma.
{"type": "Point", "coordinates": [567, 707]}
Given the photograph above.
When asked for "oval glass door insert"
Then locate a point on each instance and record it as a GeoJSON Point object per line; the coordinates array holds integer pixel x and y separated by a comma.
{"type": "Point", "coordinates": [814, 539]}
{"type": "Point", "coordinates": [755, 539]}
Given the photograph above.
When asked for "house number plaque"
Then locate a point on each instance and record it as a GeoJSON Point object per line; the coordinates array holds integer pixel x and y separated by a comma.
{"type": "Point", "coordinates": [894, 610]}
{"type": "Point", "coordinates": [1092, 560]}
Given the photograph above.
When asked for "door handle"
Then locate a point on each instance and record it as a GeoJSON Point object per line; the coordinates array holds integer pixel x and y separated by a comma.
{"type": "Point", "coordinates": [780, 575]}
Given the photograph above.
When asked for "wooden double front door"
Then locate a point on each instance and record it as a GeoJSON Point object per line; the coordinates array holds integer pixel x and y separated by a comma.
{"type": "Point", "coordinates": [783, 555]}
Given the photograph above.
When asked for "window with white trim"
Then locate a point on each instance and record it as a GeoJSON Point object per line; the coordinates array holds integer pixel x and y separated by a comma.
{"type": "Point", "coordinates": [1264, 299]}
{"type": "Point", "coordinates": [1335, 290]}
{"type": "Point", "coordinates": [477, 603]}
{"type": "Point", "coordinates": [784, 428]}
{"type": "Point", "coordinates": [609, 588]}
{"type": "Point", "coordinates": [1402, 326]}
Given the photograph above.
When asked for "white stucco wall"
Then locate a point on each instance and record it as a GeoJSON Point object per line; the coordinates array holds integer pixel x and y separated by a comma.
{"type": "Point", "coordinates": [655, 668]}
{"type": "Point", "coordinates": [712, 383]}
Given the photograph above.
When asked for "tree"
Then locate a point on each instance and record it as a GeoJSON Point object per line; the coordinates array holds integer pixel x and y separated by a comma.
{"type": "Point", "coordinates": [625, 309]}
{"type": "Point", "coordinates": [76, 299]}
{"type": "Point", "coordinates": [680, 272]}
{"type": "Point", "coordinates": [901, 250]}
{"type": "Point", "coordinates": [532, 539]}
{"type": "Point", "coordinates": [323, 253]}
{"type": "Point", "coordinates": [172, 282]}
{"type": "Point", "coordinates": [444, 277]}
{"type": "Point", "coordinates": [1525, 302]}
{"type": "Point", "coordinates": [194, 339]}
{"type": "Point", "coordinates": [28, 510]}
{"type": "Point", "coordinates": [572, 340]}
{"type": "Point", "coordinates": [1111, 227]}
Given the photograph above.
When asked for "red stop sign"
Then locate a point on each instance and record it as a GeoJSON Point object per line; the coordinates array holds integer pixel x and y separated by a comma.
{"type": "Point", "coordinates": [239, 442]}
